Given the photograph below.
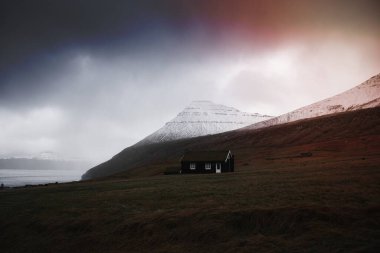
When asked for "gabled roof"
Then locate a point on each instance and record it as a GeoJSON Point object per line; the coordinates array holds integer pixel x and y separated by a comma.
{"type": "Point", "coordinates": [199, 156]}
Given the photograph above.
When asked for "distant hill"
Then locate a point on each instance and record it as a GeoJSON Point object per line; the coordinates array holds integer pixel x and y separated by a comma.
{"type": "Point", "coordinates": [203, 118]}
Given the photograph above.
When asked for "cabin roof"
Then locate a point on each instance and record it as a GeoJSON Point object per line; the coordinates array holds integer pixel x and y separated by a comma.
{"type": "Point", "coordinates": [200, 156]}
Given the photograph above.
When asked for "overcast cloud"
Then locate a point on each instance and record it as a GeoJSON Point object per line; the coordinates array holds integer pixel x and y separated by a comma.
{"type": "Point", "coordinates": [88, 79]}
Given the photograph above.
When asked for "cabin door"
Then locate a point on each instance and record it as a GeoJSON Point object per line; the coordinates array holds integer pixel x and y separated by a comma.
{"type": "Point", "coordinates": [218, 168]}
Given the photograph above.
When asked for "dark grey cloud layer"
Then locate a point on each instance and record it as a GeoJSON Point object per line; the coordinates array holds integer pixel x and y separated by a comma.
{"type": "Point", "coordinates": [33, 27]}
{"type": "Point", "coordinates": [38, 34]}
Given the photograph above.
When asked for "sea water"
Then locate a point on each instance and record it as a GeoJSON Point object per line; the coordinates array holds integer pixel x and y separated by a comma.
{"type": "Point", "coordinates": [21, 177]}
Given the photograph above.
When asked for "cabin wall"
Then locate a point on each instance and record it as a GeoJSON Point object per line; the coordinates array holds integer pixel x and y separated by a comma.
{"type": "Point", "coordinates": [227, 166]}
{"type": "Point", "coordinates": [200, 168]}
{"type": "Point", "coordinates": [232, 163]}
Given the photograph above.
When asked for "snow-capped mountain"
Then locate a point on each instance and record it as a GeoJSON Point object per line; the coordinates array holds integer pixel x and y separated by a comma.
{"type": "Point", "coordinates": [203, 118]}
{"type": "Point", "coordinates": [365, 95]}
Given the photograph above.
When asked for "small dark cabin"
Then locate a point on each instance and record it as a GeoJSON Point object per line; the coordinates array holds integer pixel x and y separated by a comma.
{"type": "Point", "coordinates": [207, 162]}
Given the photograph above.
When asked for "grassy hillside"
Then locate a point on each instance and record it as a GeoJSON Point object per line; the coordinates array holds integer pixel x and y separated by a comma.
{"type": "Point", "coordinates": [343, 139]}
{"type": "Point", "coordinates": [282, 209]}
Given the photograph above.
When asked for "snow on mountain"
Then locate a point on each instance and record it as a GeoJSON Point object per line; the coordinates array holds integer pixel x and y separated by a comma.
{"type": "Point", "coordinates": [365, 95]}
{"type": "Point", "coordinates": [203, 118]}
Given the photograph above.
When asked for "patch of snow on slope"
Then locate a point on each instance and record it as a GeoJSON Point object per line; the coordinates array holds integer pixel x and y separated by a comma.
{"type": "Point", "coordinates": [365, 95]}
{"type": "Point", "coordinates": [203, 118]}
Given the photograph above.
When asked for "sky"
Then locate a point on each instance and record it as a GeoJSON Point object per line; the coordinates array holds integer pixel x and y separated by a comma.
{"type": "Point", "coordinates": [88, 78]}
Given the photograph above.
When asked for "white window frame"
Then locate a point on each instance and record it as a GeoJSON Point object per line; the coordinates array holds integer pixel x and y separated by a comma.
{"type": "Point", "coordinates": [193, 166]}
{"type": "Point", "coordinates": [207, 166]}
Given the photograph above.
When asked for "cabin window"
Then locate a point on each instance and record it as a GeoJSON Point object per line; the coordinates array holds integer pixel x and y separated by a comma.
{"type": "Point", "coordinates": [208, 166]}
{"type": "Point", "coordinates": [192, 166]}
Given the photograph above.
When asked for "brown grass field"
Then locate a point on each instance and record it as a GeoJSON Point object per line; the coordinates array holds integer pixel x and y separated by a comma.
{"type": "Point", "coordinates": [276, 201]}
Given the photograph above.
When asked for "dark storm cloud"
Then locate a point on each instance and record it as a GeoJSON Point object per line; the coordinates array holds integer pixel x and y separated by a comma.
{"type": "Point", "coordinates": [35, 33]}
{"type": "Point", "coordinates": [32, 27]}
